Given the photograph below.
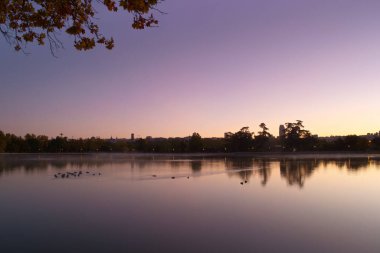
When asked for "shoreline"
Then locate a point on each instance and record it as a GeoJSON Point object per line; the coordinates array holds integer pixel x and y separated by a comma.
{"type": "Point", "coordinates": [267, 155]}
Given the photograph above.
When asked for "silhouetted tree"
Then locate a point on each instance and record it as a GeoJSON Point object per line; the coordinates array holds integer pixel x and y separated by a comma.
{"type": "Point", "coordinates": [295, 136]}
{"type": "Point", "coordinates": [35, 21]}
{"type": "Point", "coordinates": [337, 144]}
{"type": "Point", "coordinates": [376, 143]}
{"type": "Point", "coordinates": [3, 142]}
{"type": "Point", "coordinates": [140, 145]}
{"type": "Point", "coordinates": [162, 146]}
{"type": "Point", "coordinates": [59, 144]}
{"type": "Point", "coordinates": [122, 146]}
{"type": "Point", "coordinates": [355, 143]}
{"type": "Point", "coordinates": [214, 144]}
{"type": "Point", "coordinates": [31, 143]}
{"type": "Point", "coordinates": [14, 144]}
{"type": "Point", "coordinates": [195, 144]}
{"type": "Point", "coordinates": [241, 141]}
{"type": "Point", "coordinates": [178, 145]}
{"type": "Point", "coordinates": [264, 130]}
{"type": "Point", "coordinates": [262, 140]}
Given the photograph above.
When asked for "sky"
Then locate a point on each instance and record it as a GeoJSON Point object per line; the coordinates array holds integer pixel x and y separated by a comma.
{"type": "Point", "coordinates": [210, 67]}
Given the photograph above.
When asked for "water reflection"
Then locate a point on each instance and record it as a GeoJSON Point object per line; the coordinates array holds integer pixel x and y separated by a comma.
{"type": "Point", "coordinates": [243, 167]}
{"type": "Point", "coordinates": [264, 170]}
{"type": "Point", "coordinates": [144, 203]}
{"type": "Point", "coordinates": [295, 171]}
{"type": "Point", "coordinates": [196, 167]}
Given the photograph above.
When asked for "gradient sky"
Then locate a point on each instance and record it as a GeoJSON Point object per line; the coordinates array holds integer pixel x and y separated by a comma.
{"type": "Point", "coordinates": [212, 66]}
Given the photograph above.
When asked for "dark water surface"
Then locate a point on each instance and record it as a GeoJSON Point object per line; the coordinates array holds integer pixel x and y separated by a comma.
{"type": "Point", "coordinates": [148, 203]}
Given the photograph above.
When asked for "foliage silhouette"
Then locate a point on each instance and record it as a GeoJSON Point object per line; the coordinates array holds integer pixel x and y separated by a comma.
{"type": "Point", "coordinates": [296, 138]}
{"type": "Point", "coordinates": [262, 141]}
{"type": "Point", "coordinates": [195, 144]}
{"type": "Point", "coordinates": [240, 141]}
{"type": "Point", "coordinates": [38, 21]}
{"type": "Point", "coordinates": [2, 142]}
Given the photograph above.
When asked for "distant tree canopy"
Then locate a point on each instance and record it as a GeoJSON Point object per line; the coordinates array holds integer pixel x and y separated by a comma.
{"type": "Point", "coordinates": [37, 21]}
{"type": "Point", "coordinates": [3, 142]}
{"type": "Point", "coordinates": [262, 140]}
{"type": "Point", "coordinates": [240, 141]}
{"type": "Point", "coordinates": [195, 144]}
{"type": "Point", "coordinates": [296, 138]}
{"type": "Point", "coordinates": [264, 130]}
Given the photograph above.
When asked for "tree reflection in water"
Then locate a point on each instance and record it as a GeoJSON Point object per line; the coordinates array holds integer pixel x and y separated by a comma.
{"type": "Point", "coordinates": [243, 167]}
{"type": "Point", "coordinates": [295, 171]}
{"type": "Point", "coordinates": [196, 167]}
{"type": "Point", "coordinates": [265, 168]}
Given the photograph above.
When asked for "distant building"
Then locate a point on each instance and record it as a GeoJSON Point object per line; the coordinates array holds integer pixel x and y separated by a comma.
{"type": "Point", "coordinates": [113, 140]}
{"type": "Point", "coordinates": [281, 131]}
{"type": "Point", "coordinates": [132, 137]}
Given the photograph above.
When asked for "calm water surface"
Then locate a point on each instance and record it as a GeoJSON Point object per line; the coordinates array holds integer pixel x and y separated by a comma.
{"type": "Point", "coordinates": [146, 203]}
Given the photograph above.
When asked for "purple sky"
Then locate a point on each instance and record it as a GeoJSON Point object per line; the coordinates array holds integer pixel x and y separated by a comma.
{"type": "Point", "coordinates": [212, 66]}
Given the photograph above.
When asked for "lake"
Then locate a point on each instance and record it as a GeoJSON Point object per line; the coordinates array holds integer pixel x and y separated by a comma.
{"type": "Point", "coordinates": [189, 203]}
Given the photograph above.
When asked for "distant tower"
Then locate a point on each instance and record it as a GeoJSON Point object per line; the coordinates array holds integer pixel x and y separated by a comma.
{"type": "Point", "coordinates": [281, 131]}
{"type": "Point", "coordinates": [132, 137]}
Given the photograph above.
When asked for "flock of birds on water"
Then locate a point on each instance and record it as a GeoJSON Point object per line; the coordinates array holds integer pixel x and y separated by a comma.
{"type": "Point", "coordinates": [171, 177]}
{"type": "Point", "coordinates": [75, 174]}
{"type": "Point", "coordinates": [243, 182]}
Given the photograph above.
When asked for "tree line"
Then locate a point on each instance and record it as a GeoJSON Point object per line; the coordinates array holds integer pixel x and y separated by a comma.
{"type": "Point", "coordinates": [294, 138]}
